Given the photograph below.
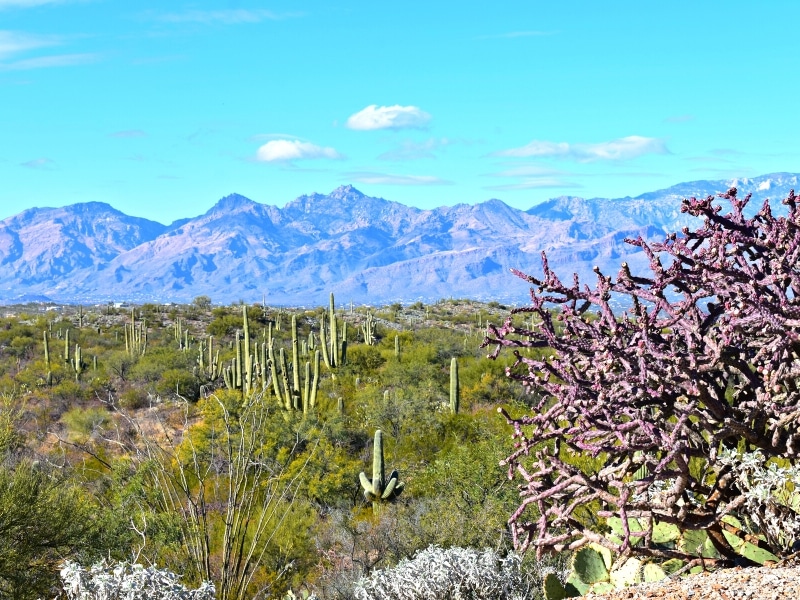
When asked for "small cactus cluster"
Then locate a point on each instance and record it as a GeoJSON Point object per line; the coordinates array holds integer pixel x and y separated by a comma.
{"type": "Point", "coordinates": [77, 364]}
{"type": "Point", "coordinates": [181, 335]}
{"type": "Point", "coordinates": [262, 368]}
{"type": "Point", "coordinates": [135, 336]}
{"type": "Point", "coordinates": [368, 330]}
{"type": "Point", "coordinates": [295, 394]}
{"type": "Point", "coordinates": [208, 361]}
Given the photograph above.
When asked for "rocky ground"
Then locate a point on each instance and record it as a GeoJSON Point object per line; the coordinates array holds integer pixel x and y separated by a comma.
{"type": "Point", "coordinates": [762, 583]}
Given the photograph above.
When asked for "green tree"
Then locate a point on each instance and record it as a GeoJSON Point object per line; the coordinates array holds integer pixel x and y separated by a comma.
{"type": "Point", "coordinates": [202, 302]}
{"type": "Point", "coordinates": [44, 518]}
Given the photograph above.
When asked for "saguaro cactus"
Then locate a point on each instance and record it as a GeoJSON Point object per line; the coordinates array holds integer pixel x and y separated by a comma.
{"type": "Point", "coordinates": [368, 330]}
{"type": "Point", "coordinates": [77, 363]}
{"type": "Point", "coordinates": [248, 361]}
{"type": "Point", "coordinates": [49, 377]}
{"type": "Point", "coordinates": [455, 392]}
{"type": "Point", "coordinates": [135, 336]}
{"type": "Point", "coordinates": [333, 354]}
{"type": "Point", "coordinates": [379, 490]}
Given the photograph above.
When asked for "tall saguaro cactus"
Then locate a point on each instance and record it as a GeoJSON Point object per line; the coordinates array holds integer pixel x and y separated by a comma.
{"type": "Point", "coordinates": [333, 354]}
{"type": "Point", "coordinates": [379, 490]}
{"type": "Point", "coordinates": [49, 377]}
{"type": "Point", "coordinates": [77, 363]}
{"type": "Point", "coordinates": [455, 392]}
{"type": "Point", "coordinates": [247, 378]}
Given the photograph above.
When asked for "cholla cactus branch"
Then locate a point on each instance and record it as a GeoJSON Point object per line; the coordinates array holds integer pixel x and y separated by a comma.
{"type": "Point", "coordinates": [705, 358]}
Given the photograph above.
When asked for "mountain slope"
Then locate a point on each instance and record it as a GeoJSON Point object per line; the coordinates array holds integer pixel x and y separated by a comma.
{"type": "Point", "coordinates": [42, 245]}
{"type": "Point", "coordinates": [364, 249]}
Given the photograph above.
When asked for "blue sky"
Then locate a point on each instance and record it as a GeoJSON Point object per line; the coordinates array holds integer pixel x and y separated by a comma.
{"type": "Point", "coordinates": [162, 108]}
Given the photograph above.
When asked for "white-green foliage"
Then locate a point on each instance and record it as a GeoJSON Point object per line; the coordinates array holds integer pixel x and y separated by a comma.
{"type": "Point", "coordinates": [450, 574]}
{"type": "Point", "coordinates": [127, 582]}
{"type": "Point", "coordinates": [771, 495]}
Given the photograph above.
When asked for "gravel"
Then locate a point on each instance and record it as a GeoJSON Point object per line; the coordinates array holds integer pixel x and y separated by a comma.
{"type": "Point", "coordinates": [752, 583]}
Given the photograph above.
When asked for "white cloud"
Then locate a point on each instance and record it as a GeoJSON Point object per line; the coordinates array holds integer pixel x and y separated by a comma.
{"type": "Point", "coordinates": [388, 117]}
{"type": "Point", "coordinates": [392, 179]}
{"type": "Point", "coordinates": [288, 150]}
{"type": "Point", "coordinates": [624, 148]}
{"type": "Point", "coordinates": [226, 17]}
{"type": "Point", "coordinates": [621, 149]}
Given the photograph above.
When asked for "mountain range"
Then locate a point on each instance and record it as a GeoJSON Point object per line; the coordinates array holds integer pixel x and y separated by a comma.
{"type": "Point", "coordinates": [366, 250]}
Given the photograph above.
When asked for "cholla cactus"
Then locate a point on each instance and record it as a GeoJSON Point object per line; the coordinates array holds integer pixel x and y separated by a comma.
{"type": "Point", "coordinates": [648, 377]}
{"type": "Point", "coordinates": [453, 573]}
{"type": "Point", "coordinates": [127, 582]}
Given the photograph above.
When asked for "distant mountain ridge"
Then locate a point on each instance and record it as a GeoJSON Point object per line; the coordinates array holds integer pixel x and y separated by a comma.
{"type": "Point", "coordinates": [366, 250]}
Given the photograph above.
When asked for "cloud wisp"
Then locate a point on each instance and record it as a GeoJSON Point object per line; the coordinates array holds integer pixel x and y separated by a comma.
{"type": "Point", "coordinates": [388, 117]}
{"type": "Point", "coordinates": [625, 148]}
{"type": "Point", "coordinates": [411, 150]}
{"type": "Point", "coordinates": [290, 150]}
{"type": "Point", "coordinates": [13, 43]}
{"type": "Point", "coordinates": [26, 3]}
{"type": "Point", "coordinates": [56, 60]}
{"type": "Point", "coordinates": [225, 17]}
{"type": "Point", "coordinates": [514, 34]}
{"type": "Point", "coordinates": [535, 183]}
{"type": "Point", "coordinates": [370, 177]}
{"type": "Point", "coordinates": [128, 133]}
{"type": "Point", "coordinates": [532, 177]}
{"type": "Point", "coordinates": [44, 164]}
{"type": "Point", "coordinates": [529, 171]}
{"type": "Point", "coordinates": [679, 119]}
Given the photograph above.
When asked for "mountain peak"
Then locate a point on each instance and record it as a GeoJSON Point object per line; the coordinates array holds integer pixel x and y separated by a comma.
{"type": "Point", "coordinates": [231, 202]}
{"type": "Point", "coordinates": [346, 192]}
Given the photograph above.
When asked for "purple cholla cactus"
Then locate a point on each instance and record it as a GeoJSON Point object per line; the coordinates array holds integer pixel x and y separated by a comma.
{"type": "Point", "coordinates": [704, 359]}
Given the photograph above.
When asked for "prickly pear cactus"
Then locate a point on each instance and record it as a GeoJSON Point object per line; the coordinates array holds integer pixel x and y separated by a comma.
{"type": "Point", "coordinates": [592, 570]}
{"type": "Point", "coordinates": [588, 567]}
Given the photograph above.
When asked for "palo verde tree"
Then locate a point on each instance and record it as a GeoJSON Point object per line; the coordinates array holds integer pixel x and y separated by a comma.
{"type": "Point", "coordinates": [701, 366]}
